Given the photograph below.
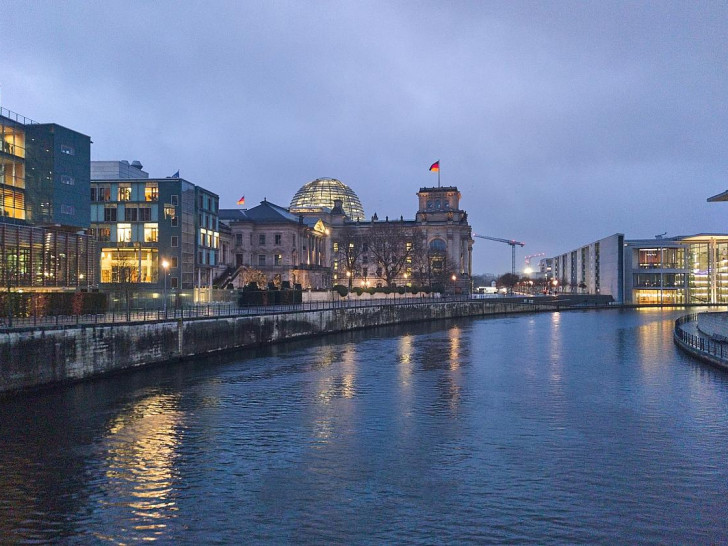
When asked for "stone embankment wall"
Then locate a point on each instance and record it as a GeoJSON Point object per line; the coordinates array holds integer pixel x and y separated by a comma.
{"type": "Point", "coordinates": [37, 357]}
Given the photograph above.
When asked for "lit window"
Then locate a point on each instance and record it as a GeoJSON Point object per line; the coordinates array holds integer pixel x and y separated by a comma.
{"type": "Point", "coordinates": [68, 209]}
{"type": "Point", "coordinates": [67, 180]}
{"type": "Point", "coordinates": [68, 150]}
{"type": "Point", "coordinates": [151, 233]}
{"type": "Point", "coordinates": [278, 259]}
{"type": "Point", "coordinates": [124, 193]}
{"type": "Point", "coordinates": [151, 191]}
{"type": "Point", "coordinates": [169, 211]}
{"type": "Point", "coordinates": [278, 238]}
{"type": "Point", "coordinates": [123, 233]}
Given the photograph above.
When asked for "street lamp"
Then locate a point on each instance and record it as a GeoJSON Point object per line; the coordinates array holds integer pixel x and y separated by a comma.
{"type": "Point", "coordinates": [165, 266]}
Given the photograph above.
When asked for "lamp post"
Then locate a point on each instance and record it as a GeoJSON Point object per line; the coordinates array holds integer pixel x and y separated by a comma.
{"type": "Point", "coordinates": [165, 267]}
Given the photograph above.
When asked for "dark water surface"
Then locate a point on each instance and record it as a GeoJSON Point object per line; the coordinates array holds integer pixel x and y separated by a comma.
{"type": "Point", "coordinates": [552, 428]}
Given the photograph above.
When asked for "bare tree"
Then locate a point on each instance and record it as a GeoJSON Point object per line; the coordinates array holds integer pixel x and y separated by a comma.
{"type": "Point", "coordinates": [393, 247]}
{"type": "Point", "coordinates": [348, 249]}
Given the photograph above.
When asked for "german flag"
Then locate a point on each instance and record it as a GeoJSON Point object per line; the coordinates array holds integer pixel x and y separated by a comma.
{"type": "Point", "coordinates": [241, 201]}
{"type": "Point", "coordinates": [435, 167]}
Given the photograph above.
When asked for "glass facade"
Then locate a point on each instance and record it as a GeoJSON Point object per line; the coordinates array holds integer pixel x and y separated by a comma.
{"type": "Point", "coordinates": [12, 169]}
{"type": "Point", "coordinates": [321, 194]}
{"type": "Point", "coordinates": [35, 257]}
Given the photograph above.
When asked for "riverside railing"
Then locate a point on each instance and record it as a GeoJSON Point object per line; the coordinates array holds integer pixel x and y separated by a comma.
{"type": "Point", "coordinates": [701, 344]}
{"type": "Point", "coordinates": [221, 310]}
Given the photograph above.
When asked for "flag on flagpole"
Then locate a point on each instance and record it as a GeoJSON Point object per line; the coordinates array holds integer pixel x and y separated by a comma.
{"type": "Point", "coordinates": [241, 201]}
{"type": "Point", "coordinates": [175, 175]}
{"type": "Point", "coordinates": [435, 167]}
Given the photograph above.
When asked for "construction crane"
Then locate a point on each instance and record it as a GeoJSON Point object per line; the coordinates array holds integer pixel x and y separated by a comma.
{"type": "Point", "coordinates": [511, 242]}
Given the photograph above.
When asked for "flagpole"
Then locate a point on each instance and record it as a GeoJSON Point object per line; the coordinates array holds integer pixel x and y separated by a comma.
{"type": "Point", "coordinates": [438, 173]}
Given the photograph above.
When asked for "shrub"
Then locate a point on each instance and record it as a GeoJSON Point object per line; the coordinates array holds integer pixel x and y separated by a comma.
{"type": "Point", "coordinates": [401, 290]}
{"type": "Point", "coordinates": [358, 290]}
{"type": "Point", "coordinates": [387, 290]}
{"type": "Point", "coordinates": [341, 290]}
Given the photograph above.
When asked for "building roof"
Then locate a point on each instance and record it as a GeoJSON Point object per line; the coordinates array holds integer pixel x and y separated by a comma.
{"type": "Point", "coordinates": [266, 212]}
{"type": "Point", "coordinates": [720, 197]}
{"type": "Point", "coordinates": [319, 196]}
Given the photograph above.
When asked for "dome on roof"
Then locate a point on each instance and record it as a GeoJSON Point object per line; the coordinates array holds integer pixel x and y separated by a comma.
{"type": "Point", "coordinates": [321, 193]}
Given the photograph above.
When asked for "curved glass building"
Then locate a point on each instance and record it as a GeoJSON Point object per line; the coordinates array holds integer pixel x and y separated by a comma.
{"type": "Point", "coordinates": [321, 193]}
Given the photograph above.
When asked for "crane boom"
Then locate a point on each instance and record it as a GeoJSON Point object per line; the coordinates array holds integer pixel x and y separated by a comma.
{"type": "Point", "coordinates": [511, 242]}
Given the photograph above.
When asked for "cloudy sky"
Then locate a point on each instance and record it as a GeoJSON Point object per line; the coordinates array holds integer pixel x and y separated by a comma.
{"type": "Point", "coordinates": [560, 122]}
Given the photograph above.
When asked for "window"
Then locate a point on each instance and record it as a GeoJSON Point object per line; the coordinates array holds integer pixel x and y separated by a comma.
{"type": "Point", "coordinates": [174, 262]}
{"type": "Point", "coordinates": [261, 239]}
{"type": "Point", "coordinates": [365, 259]}
{"type": "Point", "coordinates": [68, 209]}
{"type": "Point", "coordinates": [169, 211]}
{"type": "Point", "coordinates": [438, 245]}
{"type": "Point", "coordinates": [175, 222]}
{"type": "Point", "coordinates": [365, 247]}
{"type": "Point", "coordinates": [110, 214]}
{"type": "Point", "coordinates": [130, 214]}
{"type": "Point", "coordinates": [261, 259]}
{"type": "Point", "coordinates": [408, 246]}
{"type": "Point", "coordinates": [278, 238]}
{"type": "Point", "coordinates": [336, 247]}
{"type": "Point", "coordinates": [123, 233]}
{"type": "Point", "coordinates": [101, 193]}
{"type": "Point", "coordinates": [151, 233]}
{"type": "Point", "coordinates": [239, 239]}
{"type": "Point", "coordinates": [68, 150]}
{"type": "Point", "coordinates": [365, 272]}
{"type": "Point", "coordinates": [336, 265]}
{"type": "Point", "coordinates": [174, 282]}
{"type": "Point", "coordinates": [104, 233]}
{"type": "Point", "coordinates": [145, 214]}
{"type": "Point", "coordinates": [124, 192]}
{"type": "Point", "coordinates": [238, 260]}
{"type": "Point", "coordinates": [200, 255]}
{"type": "Point", "coordinates": [151, 192]}
{"type": "Point", "coordinates": [174, 242]}
{"type": "Point", "coordinates": [175, 199]}
{"type": "Point", "coordinates": [68, 180]}
{"type": "Point", "coordinates": [278, 259]}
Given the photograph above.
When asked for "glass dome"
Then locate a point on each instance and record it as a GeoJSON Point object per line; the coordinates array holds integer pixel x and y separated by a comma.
{"type": "Point", "coordinates": [321, 193]}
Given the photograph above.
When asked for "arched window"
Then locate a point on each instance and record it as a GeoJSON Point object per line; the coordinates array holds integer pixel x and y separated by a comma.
{"type": "Point", "coordinates": [438, 245]}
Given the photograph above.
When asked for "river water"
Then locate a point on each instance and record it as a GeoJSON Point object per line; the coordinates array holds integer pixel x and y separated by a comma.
{"type": "Point", "coordinates": [572, 427]}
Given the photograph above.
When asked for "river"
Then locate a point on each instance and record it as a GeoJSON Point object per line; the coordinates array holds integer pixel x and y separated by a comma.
{"type": "Point", "coordinates": [572, 427]}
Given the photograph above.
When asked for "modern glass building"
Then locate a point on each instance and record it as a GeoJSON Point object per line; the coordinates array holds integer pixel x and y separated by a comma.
{"type": "Point", "coordinates": [141, 224]}
{"type": "Point", "coordinates": [44, 206]}
{"type": "Point", "coordinates": [663, 271]}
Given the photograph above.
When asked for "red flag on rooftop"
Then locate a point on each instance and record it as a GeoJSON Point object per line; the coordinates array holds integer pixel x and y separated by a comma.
{"type": "Point", "coordinates": [435, 167]}
{"type": "Point", "coordinates": [241, 201]}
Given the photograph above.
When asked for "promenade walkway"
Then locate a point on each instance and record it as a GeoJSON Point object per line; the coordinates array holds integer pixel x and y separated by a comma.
{"type": "Point", "coordinates": [690, 339]}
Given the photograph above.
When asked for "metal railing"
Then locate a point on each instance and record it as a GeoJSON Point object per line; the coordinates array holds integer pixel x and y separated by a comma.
{"type": "Point", "coordinates": [222, 310]}
{"type": "Point", "coordinates": [16, 117]}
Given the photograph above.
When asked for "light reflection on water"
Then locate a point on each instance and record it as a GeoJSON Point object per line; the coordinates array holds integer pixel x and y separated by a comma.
{"type": "Point", "coordinates": [554, 428]}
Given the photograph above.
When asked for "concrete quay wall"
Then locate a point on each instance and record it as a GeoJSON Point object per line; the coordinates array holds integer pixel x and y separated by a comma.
{"type": "Point", "coordinates": [36, 357]}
